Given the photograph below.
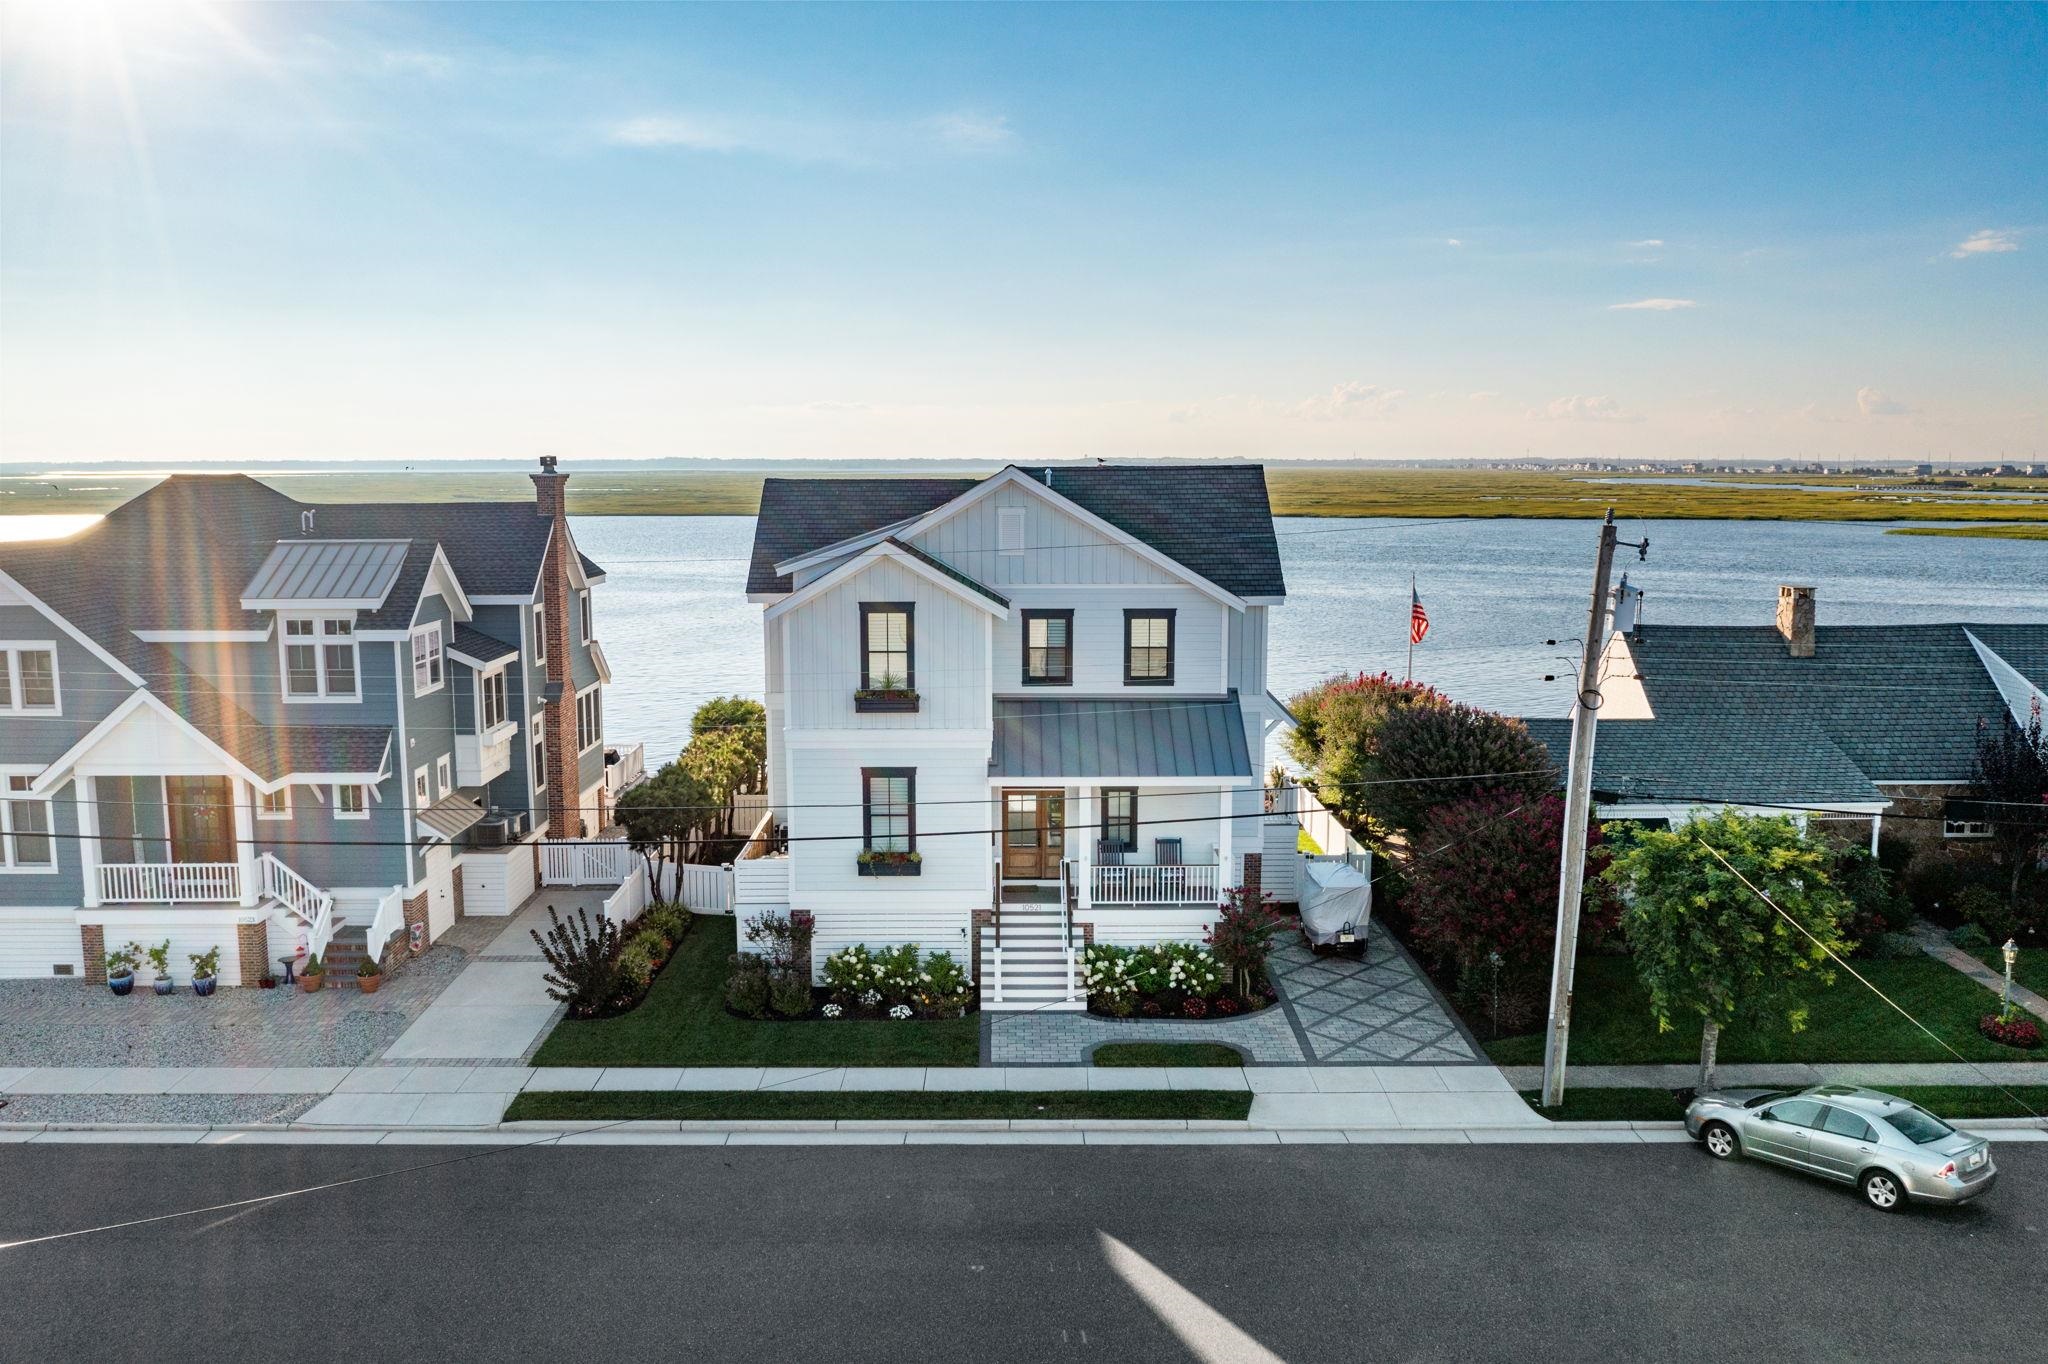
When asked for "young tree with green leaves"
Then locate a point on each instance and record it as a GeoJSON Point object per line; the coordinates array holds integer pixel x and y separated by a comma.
{"type": "Point", "coordinates": [1709, 947]}
{"type": "Point", "coordinates": [2012, 778]}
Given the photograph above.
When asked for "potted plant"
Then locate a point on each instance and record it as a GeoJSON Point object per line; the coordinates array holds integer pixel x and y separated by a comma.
{"type": "Point", "coordinates": [205, 971]}
{"type": "Point", "coordinates": [312, 975]}
{"type": "Point", "coordinates": [266, 982]}
{"type": "Point", "coordinates": [885, 693]}
{"type": "Point", "coordinates": [121, 965]}
{"type": "Point", "coordinates": [883, 862]}
{"type": "Point", "coordinates": [160, 965]}
{"type": "Point", "coordinates": [369, 975]}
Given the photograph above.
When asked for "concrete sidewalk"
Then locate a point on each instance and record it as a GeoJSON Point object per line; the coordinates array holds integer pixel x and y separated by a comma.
{"type": "Point", "coordinates": [1791, 1075]}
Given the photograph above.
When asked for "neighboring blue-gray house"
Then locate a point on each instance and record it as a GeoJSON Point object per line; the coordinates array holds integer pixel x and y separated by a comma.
{"type": "Point", "coordinates": [232, 719]}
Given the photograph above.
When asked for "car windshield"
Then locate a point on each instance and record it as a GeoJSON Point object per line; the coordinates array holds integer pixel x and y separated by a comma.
{"type": "Point", "coordinates": [1762, 1099]}
{"type": "Point", "coordinates": [1918, 1126]}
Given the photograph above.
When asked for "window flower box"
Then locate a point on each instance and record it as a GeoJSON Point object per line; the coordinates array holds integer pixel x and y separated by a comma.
{"type": "Point", "coordinates": [890, 864]}
{"type": "Point", "coordinates": [884, 700]}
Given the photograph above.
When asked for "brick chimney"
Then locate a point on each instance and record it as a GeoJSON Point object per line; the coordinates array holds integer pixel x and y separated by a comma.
{"type": "Point", "coordinates": [1795, 620]}
{"type": "Point", "coordinates": [558, 715]}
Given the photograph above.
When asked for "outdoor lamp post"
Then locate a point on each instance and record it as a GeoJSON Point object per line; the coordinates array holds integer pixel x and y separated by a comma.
{"type": "Point", "coordinates": [2012, 954]}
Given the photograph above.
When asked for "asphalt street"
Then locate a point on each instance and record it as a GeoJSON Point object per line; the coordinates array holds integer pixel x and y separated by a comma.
{"type": "Point", "coordinates": [1019, 1253]}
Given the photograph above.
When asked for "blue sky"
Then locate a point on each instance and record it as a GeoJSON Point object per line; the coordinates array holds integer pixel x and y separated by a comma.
{"type": "Point", "coordinates": [615, 231]}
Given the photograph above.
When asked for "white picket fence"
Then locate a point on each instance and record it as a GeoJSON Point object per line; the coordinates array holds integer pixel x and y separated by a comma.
{"type": "Point", "coordinates": [573, 862]}
{"type": "Point", "coordinates": [630, 900]}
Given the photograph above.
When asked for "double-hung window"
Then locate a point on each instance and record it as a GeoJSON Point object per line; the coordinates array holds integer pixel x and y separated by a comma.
{"type": "Point", "coordinates": [428, 663]}
{"type": "Point", "coordinates": [444, 776]}
{"type": "Point", "coordinates": [1148, 648]}
{"type": "Point", "coordinates": [583, 609]}
{"type": "Point", "coordinates": [491, 701]}
{"type": "Point", "coordinates": [540, 633]}
{"type": "Point", "coordinates": [319, 658]}
{"type": "Point", "coordinates": [589, 719]}
{"type": "Point", "coordinates": [274, 804]}
{"type": "Point", "coordinates": [887, 654]}
{"type": "Point", "coordinates": [352, 802]}
{"type": "Point", "coordinates": [1120, 818]}
{"type": "Point", "coordinates": [28, 679]}
{"type": "Point", "coordinates": [889, 809]}
{"type": "Point", "coordinates": [25, 842]}
{"type": "Point", "coordinates": [540, 753]}
{"type": "Point", "coordinates": [1048, 648]}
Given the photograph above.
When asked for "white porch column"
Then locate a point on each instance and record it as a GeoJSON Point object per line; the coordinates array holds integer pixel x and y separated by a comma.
{"type": "Point", "coordinates": [245, 838]}
{"type": "Point", "coordinates": [87, 797]}
{"type": "Point", "coordinates": [1226, 842]}
{"type": "Point", "coordinates": [1876, 823]}
{"type": "Point", "coordinates": [1088, 803]}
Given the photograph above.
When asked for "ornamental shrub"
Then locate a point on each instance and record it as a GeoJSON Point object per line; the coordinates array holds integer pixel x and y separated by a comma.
{"type": "Point", "coordinates": [1242, 937]}
{"type": "Point", "coordinates": [582, 962]}
{"type": "Point", "coordinates": [747, 989]}
{"type": "Point", "coordinates": [791, 996]}
{"type": "Point", "coordinates": [667, 918]}
{"type": "Point", "coordinates": [1194, 1007]}
{"type": "Point", "coordinates": [943, 987]}
{"type": "Point", "coordinates": [1420, 746]}
{"type": "Point", "coordinates": [847, 970]}
{"type": "Point", "coordinates": [638, 962]}
{"type": "Point", "coordinates": [1337, 735]}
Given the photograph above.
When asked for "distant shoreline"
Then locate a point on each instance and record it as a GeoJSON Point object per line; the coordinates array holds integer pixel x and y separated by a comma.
{"type": "Point", "coordinates": [1482, 494]}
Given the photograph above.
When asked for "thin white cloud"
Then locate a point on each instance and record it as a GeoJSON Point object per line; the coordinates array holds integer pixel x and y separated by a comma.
{"type": "Point", "coordinates": [1355, 398]}
{"type": "Point", "coordinates": [1452, 241]}
{"type": "Point", "coordinates": [1585, 408]}
{"type": "Point", "coordinates": [1646, 244]}
{"type": "Point", "coordinates": [1875, 402]}
{"type": "Point", "coordinates": [669, 130]}
{"type": "Point", "coordinates": [1989, 242]}
{"type": "Point", "coordinates": [1653, 305]}
{"type": "Point", "coordinates": [971, 132]}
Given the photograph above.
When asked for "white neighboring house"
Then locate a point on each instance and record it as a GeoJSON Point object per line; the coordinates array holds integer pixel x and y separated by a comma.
{"type": "Point", "coordinates": [1012, 714]}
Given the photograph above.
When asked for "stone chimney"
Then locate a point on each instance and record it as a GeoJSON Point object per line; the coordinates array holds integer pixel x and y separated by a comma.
{"type": "Point", "coordinates": [558, 715]}
{"type": "Point", "coordinates": [1795, 620]}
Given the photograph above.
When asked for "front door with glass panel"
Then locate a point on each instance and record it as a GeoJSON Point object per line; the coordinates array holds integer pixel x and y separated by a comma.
{"type": "Point", "coordinates": [1034, 834]}
{"type": "Point", "coordinates": [201, 817]}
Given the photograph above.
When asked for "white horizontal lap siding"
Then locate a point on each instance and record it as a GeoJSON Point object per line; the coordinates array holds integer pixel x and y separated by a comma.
{"type": "Point", "coordinates": [1139, 927]}
{"type": "Point", "coordinates": [1198, 630]}
{"type": "Point", "coordinates": [949, 655]}
{"type": "Point", "coordinates": [1280, 865]}
{"type": "Point", "coordinates": [34, 941]}
{"type": "Point", "coordinates": [1057, 547]}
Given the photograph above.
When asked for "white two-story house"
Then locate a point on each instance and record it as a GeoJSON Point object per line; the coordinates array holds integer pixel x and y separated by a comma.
{"type": "Point", "coordinates": [1010, 715]}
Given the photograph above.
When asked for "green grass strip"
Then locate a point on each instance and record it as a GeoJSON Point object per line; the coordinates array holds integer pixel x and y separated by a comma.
{"type": "Point", "coordinates": [876, 1105]}
{"type": "Point", "coordinates": [1655, 1105]}
{"type": "Point", "coordinates": [1167, 1054]}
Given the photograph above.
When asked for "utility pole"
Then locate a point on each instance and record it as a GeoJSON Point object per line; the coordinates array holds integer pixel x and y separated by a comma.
{"type": "Point", "coordinates": [1578, 809]}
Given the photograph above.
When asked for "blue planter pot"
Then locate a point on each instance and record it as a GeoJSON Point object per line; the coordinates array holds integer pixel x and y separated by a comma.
{"type": "Point", "coordinates": [163, 985]}
{"type": "Point", "coordinates": [120, 985]}
{"type": "Point", "coordinates": [204, 987]}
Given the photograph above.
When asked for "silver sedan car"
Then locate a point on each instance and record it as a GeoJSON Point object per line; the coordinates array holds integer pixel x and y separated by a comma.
{"type": "Point", "coordinates": [1887, 1147]}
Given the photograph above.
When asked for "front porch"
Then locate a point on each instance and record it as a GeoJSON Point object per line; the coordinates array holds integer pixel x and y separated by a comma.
{"type": "Point", "coordinates": [1114, 847]}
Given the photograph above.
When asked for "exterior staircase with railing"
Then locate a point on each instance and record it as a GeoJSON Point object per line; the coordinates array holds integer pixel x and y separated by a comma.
{"type": "Point", "coordinates": [1031, 955]}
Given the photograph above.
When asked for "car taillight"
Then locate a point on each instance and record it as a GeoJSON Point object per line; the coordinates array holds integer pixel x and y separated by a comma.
{"type": "Point", "coordinates": [1945, 1171]}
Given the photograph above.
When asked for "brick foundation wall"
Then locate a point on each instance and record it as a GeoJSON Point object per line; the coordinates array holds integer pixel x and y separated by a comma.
{"type": "Point", "coordinates": [1254, 873]}
{"type": "Point", "coordinates": [92, 943]}
{"type": "Point", "coordinates": [252, 946]}
{"type": "Point", "coordinates": [415, 913]}
{"type": "Point", "coordinates": [981, 918]}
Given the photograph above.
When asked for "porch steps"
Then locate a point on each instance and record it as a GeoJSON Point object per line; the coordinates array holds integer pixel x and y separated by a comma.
{"type": "Point", "coordinates": [1033, 976]}
{"type": "Point", "coordinates": [346, 950]}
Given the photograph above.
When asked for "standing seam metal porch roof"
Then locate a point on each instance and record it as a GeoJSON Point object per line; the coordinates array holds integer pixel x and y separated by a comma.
{"type": "Point", "coordinates": [328, 570]}
{"type": "Point", "coordinates": [1131, 737]}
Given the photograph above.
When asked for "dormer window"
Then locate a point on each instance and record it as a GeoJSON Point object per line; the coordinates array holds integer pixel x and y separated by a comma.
{"type": "Point", "coordinates": [1148, 648]}
{"type": "Point", "coordinates": [428, 663]}
{"type": "Point", "coordinates": [319, 658]}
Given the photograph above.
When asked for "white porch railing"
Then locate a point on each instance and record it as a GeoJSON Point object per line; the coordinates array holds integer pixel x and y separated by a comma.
{"type": "Point", "coordinates": [1155, 885]}
{"type": "Point", "coordinates": [573, 862]}
{"type": "Point", "coordinates": [389, 919]}
{"type": "Point", "coordinates": [169, 883]}
{"type": "Point", "coordinates": [629, 770]}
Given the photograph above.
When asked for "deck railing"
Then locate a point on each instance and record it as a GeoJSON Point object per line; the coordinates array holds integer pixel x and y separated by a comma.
{"type": "Point", "coordinates": [169, 883]}
{"type": "Point", "coordinates": [1155, 885]}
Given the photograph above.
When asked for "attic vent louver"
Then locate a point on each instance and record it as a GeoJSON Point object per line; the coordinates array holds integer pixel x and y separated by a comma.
{"type": "Point", "coordinates": [306, 522]}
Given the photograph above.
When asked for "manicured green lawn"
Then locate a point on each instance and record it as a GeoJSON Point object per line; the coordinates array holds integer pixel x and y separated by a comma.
{"type": "Point", "coordinates": [2030, 970]}
{"type": "Point", "coordinates": [683, 1022]}
{"type": "Point", "coordinates": [1167, 1054]}
{"type": "Point", "coordinates": [1612, 1025]}
{"type": "Point", "coordinates": [878, 1105]}
{"type": "Point", "coordinates": [1652, 1105]}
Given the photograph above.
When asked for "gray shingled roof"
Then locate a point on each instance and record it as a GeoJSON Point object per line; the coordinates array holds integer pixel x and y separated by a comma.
{"type": "Point", "coordinates": [178, 556]}
{"type": "Point", "coordinates": [1213, 518]}
{"type": "Point", "coordinates": [1739, 719]}
{"type": "Point", "coordinates": [1120, 736]}
{"type": "Point", "coordinates": [474, 644]}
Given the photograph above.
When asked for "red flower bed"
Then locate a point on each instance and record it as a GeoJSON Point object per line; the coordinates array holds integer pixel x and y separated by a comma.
{"type": "Point", "coordinates": [2015, 1032]}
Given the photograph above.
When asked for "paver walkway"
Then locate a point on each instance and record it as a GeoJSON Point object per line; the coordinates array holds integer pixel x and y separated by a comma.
{"type": "Point", "coordinates": [1935, 943]}
{"type": "Point", "coordinates": [1334, 1010]}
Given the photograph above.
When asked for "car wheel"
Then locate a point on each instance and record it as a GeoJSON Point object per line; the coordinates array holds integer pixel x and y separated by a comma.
{"type": "Point", "coordinates": [1882, 1190]}
{"type": "Point", "coordinates": [1719, 1139]}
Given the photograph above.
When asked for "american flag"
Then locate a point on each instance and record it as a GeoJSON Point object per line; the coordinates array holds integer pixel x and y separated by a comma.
{"type": "Point", "coordinates": [1418, 619]}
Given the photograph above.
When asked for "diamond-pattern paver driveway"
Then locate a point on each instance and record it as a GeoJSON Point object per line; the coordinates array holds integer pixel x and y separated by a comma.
{"type": "Point", "coordinates": [1374, 1012]}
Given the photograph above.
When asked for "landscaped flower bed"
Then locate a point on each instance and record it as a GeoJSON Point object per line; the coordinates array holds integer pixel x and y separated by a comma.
{"type": "Point", "coordinates": [1168, 980]}
{"type": "Point", "coordinates": [600, 970]}
{"type": "Point", "coordinates": [2012, 1028]}
{"type": "Point", "coordinates": [859, 982]}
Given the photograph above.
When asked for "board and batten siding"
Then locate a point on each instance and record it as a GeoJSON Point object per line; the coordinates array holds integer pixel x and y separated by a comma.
{"type": "Point", "coordinates": [954, 813]}
{"type": "Point", "coordinates": [1198, 632]}
{"type": "Point", "coordinates": [1058, 547]}
{"type": "Point", "coordinates": [949, 658]}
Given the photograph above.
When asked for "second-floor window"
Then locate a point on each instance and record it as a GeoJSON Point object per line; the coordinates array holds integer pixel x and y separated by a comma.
{"type": "Point", "coordinates": [274, 804]}
{"type": "Point", "coordinates": [583, 605]}
{"type": "Point", "coordinates": [491, 701]}
{"type": "Point", "coordinates": [428, 664]}
{"type": "Point", "coordinates": [28, 678]}
{"type": "Point", "coordinates": [887, 654]}
{"type": "Point", "coordinates": [1048, 648]}
{"type": "Point", "coordinates": [589, 719]}
{"type": "Point", "coordinates": [320, 658]}
{"type": "Point", "coordinates": [1148, 648]}
{"type": "Point", "coordinates": [25, 843]}
{"type": "Point", "coordinates": [540, 633]}
{"type": "Point", "coordinates": [352, 802]}
{"type": "Point", "coordinates": [540, 756]}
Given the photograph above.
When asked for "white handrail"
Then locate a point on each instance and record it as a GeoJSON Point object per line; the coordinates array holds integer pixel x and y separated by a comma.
{"type": "Point", "coordinates": [389, 918]}
{"type": "Point", "coordinates": [308, 903]}
{"type": "Point", "coordinates": [1067, 879]}
{"type": "Point", "coordinates": [165, 883]}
